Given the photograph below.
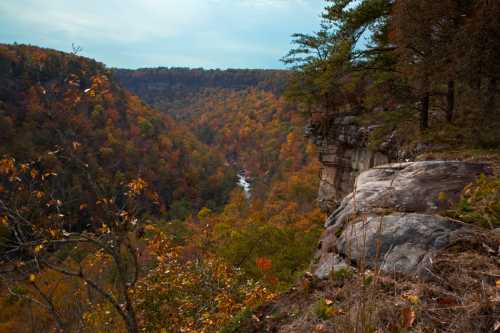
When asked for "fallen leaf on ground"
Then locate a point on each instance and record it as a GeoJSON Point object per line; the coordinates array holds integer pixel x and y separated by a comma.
{"type": "Point", "coordinates": [320, 328]}
{"type": "Point", "coordinates": [409, 317]}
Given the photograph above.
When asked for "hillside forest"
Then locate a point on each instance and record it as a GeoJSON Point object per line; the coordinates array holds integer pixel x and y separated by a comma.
{"type": "Point", "coordinates": [121, 200]}
{"type": "Point", "coordinates": [109, 198]}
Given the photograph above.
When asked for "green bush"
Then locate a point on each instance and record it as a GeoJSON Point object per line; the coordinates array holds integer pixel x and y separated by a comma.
{"type": "Point", "coordinates": [343, 274]}
{"type": "Point", "coordinates": [235, 323]}
{"type": "Point", "coordinates": [323, 309]}
{"type": "Point", "coordinates": [480, 203]}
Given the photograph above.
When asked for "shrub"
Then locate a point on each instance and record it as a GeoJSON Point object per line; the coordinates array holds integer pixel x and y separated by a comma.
{"type": "Point", "coordinates": [480, 203]}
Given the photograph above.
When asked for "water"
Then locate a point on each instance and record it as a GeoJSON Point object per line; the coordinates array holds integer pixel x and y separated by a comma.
{"type": "Point", "coordinates": [244, 183]}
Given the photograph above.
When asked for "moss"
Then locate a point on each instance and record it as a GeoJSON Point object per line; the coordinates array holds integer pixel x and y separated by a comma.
{"type": "Point", "coordinates": [342, 274]}
{"type": "Point", "coordinates": [367, 281]}
{"type": "Point", "coordinates": [324, 309]}
{"type": "Point", "coordinates": [479, 203]}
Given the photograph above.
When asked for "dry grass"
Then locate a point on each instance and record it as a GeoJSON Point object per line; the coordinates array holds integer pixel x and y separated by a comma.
{"type": "Point", "coordinates": [459, 294]}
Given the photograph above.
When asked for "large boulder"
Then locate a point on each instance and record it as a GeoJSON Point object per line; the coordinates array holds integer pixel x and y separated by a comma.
{"type": "Point", "coordinates": [413, 187]}
{"type": "Point", "coordinates": [397, 242]}
{"type": "Point", "coordinates": [392, 219]}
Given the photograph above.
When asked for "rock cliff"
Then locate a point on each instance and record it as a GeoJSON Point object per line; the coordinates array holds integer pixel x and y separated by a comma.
{"type": "Point", "coordinates": [382, 214]}
{"type": "Point", "coordinates": [392, 218]}
{"type": "Point", "coordinates": [389, 254]}
{"type": "Point", "coordinates": [343, 153]}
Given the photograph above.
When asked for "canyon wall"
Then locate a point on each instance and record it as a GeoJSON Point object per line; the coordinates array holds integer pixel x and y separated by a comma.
{"type": "Point", "coordinates": [343, 153]}
{"type": "Point", "coordinates": [379, 211]}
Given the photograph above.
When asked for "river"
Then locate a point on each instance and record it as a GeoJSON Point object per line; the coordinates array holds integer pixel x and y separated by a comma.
{"type": "Point", "coordinates": [244, 183]}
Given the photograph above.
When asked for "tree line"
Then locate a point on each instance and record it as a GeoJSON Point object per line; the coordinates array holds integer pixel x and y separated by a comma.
{"type": "Point", "coordinates": [418, 52]}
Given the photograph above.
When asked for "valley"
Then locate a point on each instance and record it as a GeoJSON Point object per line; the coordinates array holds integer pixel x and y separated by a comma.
{"type": "Point", "coordinates": [355, 190]}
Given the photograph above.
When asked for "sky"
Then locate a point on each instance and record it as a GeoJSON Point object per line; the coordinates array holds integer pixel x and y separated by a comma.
{"type": "Point", "coordinates": [170, 33]}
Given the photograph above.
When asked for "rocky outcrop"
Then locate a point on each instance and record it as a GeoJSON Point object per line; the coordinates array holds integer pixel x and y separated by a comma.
{"type": "Point", "coordinates": [343, 153]}
{"type": "Point", "coordinates": [424, 187]}
{"type": "Point", "coordinates": [392, 218]}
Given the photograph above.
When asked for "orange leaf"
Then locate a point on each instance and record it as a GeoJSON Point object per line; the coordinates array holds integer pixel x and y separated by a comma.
{"type": "Point", "coordinates": [264, 263]}
{"type": "Point", "coordinates": [7, 166]}
{"type": "Point", "coordinates": [320, 328]}
{"type": "Point", "coordinates": [409, 317]}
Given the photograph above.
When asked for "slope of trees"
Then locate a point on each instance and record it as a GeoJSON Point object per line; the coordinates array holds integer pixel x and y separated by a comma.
{"type": "Point", "coordinates": [71, 108]}
{"type": "Point", "coordinates": [257, 130]}
{"type": "Point", "coordinates": [134, 211]}
{"type": "Point", "coordinates": [260, 132]}
{"type": "Point", "coordinates": [240, 113]}
{"type": "Point", "coordinates": [171, 87]}
{"type": "Point", "coordinates": [84, 168]}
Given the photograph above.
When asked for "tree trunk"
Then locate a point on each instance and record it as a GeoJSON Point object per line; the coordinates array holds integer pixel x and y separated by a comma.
{"type": "Point", "coordinates": [424, 111]}
{"type": "Point", "coordinates": [131, 316]}
{"type": "Point", "coordinates": [132, 324]}
{"type": "Point", "coordinates": [451, 101]}
{"type": "Point", "coordinates": [490, 104]}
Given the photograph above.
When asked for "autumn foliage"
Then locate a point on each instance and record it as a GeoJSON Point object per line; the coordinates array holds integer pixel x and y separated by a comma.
{"type": "Point", "coordinates": [134, 211]}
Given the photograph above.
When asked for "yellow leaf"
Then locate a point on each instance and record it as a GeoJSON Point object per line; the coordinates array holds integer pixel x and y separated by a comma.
{"type": "Point", "coordinates": [136, 186]}
{"type": "Point", "coordinates": [203, 213]}
{"type": "Point", "coordinates": [32, 278]}
{"type": "Point", "coordinates": [413, 299]}
{"type": "Point", "coordinates": [49, 174]}
{"type": "Point", "coordinates": [39, 194]}
{"type": "Point", "coordinates": [38, 248]}
{"type": "Point", "coordinates": [105, 229]}
{"type": "Point", "coordinates": [7, 166]}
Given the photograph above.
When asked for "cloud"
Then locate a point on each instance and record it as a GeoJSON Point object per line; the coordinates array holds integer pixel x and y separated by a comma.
{"type": "Point", "coordinates": [134, 33]}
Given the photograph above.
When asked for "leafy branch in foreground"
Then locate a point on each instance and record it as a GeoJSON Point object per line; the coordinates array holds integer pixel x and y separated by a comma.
{"type": "Point", "coordinates": [38, 237]}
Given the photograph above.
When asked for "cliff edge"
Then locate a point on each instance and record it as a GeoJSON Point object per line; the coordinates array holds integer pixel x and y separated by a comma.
{"type": "Point", "coordinates": [392, 257]}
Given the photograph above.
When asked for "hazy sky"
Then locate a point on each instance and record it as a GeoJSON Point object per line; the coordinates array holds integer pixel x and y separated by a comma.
{"type": "Point", "coordinates": [145, 33]}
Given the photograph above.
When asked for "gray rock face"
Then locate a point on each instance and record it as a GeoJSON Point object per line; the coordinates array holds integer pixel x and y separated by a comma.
{"type": "Point", "coordinates": [391, 220]}
{"type": "Point", "coordinates": [414, 187]}
{"type": "Point", "coordinates": [330, 263]}
{"type": "Point", "coordinates": [343, 155]}
{"type": "Point", "coordinates": [396, 242]}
